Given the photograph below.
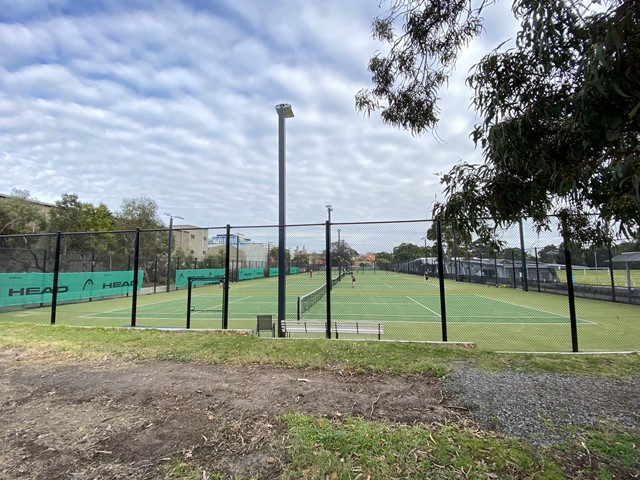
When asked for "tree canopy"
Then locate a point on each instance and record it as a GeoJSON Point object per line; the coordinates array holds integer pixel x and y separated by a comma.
{"type": "Point", "coordinates": [19, 215]}
{"type": "Point", "coordinates": [561, 110]}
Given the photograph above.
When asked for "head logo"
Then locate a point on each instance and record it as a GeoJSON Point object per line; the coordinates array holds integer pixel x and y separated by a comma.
{"type": "Point", "coordinates": [87, 283]}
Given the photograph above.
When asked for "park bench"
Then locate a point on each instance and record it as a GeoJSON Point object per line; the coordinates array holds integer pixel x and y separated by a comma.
{"type": "Point", "coordinates": [373, 328]}
{"type": "Point", "coordinates": [337, 327]}
{"type": "Point", "coordinates": [304, 327]}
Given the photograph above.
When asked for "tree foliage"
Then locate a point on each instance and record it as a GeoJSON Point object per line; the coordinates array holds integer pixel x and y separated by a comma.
{"type": "Point", "coordinates": [407, 251]}
{"type": "Point", "coordinates": [19, 215]}
{"type": "Point", "coordinates": [383, 257]}
{"type": "Point", "coordinates": [561, 111]}
{"type": "Point", "coordinates": [342, 254]}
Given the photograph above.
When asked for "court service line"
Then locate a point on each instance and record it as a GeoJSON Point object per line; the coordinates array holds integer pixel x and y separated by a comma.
{"type": "Point", "coordinates": [424, 306]}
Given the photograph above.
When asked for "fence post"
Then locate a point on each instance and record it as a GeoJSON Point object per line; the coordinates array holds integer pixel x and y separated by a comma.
{"type": "Point", "coordinates": [572, 300]}
{"type": "Point", "coordinates": [136, 264]}
{"type": "Point", "coordinates": [613, 285]}
{"type": "Point", "coordinates": [537, 267]}
{"type": "Point", "coordinates": [523, 254]}
{"type": "Point", "coordinates": [56, 271]}
{"type": "Point", "coordinates": [443, 308]}
{"type": "Point", "coordinates": [189, 287]}
{"type": "Point", "coordinates": [328, 279]}
{"type": "Point", "coordinates": [225, 291]}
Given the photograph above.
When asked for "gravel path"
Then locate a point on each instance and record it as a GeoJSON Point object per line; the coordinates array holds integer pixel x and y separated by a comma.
{"type": "Point", "coordinates": [530, 405]}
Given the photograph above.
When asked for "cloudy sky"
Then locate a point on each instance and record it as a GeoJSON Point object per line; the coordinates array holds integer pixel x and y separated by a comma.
{"type": "Point", "coordinates": [174, 100]}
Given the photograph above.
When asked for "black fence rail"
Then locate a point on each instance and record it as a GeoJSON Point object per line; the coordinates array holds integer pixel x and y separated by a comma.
{"type": "Point", "coordinates": [412, 280]}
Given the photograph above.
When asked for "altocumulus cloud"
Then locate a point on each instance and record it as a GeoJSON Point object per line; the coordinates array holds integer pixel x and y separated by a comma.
{"type": "Point", "coordinates": [175, 101]}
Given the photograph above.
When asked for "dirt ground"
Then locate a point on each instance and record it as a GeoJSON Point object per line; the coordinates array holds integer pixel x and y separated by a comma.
{"type": "Point", "coordinates": [123, 419]}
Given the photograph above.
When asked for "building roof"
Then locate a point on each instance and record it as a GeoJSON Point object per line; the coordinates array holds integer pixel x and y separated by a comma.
{"type": "Point", "coordinates": [626, 257]}
{"type": "Point", "coordinates": [37, 202]}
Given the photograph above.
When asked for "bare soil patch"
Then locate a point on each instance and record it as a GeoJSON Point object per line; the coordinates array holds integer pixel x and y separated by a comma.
{"type": "Point", "coordinates": [124, 419]}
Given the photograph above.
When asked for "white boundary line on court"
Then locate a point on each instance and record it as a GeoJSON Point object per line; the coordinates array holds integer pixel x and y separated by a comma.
{"type": "Point", "coordinates": [450, 320]}
{"type": "Point", "coordinates": [535, 309]}
{"type": "Point", "coordinates": [424, 306]}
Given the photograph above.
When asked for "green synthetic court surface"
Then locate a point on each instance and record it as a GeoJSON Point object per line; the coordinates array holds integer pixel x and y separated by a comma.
{"type": "Point", "coordinates": [409, 307]}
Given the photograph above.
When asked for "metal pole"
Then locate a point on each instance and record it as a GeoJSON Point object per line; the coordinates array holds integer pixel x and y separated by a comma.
{"type": "Point", "coordinates": [268, 258]}
{"type": "Point", "coordinates": [169, 255]}
{"type": "Point", "coordinates": [237, 258]}
{"type": "Point", "coordinates": [525, 282]}
{"type": "Point", "coordinates": [225, 291]}
{"type": "Point", "coordinates": [613, 285]}
{"type": "Point", "coordinates": [572, 301]}
{"type": "Point", "coordinates": [537, 267]}
{"type": "Point", "coordinates": [136, 266]}
{"type": "Point", "coordinates": [284, 111]}
{"type": "Point", "coordinates": [189, 287]}
{"type": "Point", "coordinates": [339, 255]}
{"type": "Point", "coordinates": [425, 257]}
{"type": "Point", "coordinates": [328, 279]}
{"type": "Point", "coordinates": [56, 271]}
{"type": "Point", "coordinates": [443, 307]}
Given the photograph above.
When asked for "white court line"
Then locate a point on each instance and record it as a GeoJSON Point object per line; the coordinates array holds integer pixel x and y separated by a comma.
{"type": "Point", "coordinates": [450, 320]}
{"type": "Point", "coordinates": [530, 308]}
{"type": "Point", "coordinates": [232, 301]}
{"type": "Point", "coordinates": [425, 307]}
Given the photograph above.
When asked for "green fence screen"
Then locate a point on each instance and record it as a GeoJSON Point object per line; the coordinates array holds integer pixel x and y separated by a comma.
{"type": "Point", "coordinates": [250, 273]}
{"type": "Point", "coordinates": [22, 289]}
{"type": "Point", "coordinates": [182, 276]}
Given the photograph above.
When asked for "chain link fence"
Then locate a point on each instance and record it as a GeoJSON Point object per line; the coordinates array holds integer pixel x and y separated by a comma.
{"type": "Point", "coordinates": [397, 280]}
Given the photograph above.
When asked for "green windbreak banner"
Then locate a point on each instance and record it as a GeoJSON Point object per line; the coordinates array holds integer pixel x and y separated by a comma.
{"type": "Point", "coordinates": [273, 271]}
{"type": "Point", "coordinates": [182, 276]}
{"type": "Point", "coordinates": [18, 289]}
{"type": "Point", "coordinates": [251, 273]}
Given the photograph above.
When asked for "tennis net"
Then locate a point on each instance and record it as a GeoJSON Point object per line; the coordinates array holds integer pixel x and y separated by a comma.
{"type": "Point", "coordinates": [310, 299]}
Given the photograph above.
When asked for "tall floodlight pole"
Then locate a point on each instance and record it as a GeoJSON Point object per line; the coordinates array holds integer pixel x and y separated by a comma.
{"type": "Point", "coordinates": [329, 210]}
{"type": "Point", "coordinates": [171, 217]}
{"type": "Point", "coordinates": [284, 111]}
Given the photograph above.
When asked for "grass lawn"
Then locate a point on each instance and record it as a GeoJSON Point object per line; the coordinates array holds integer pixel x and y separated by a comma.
{"type": "Point", "coordinates": [350, 448]}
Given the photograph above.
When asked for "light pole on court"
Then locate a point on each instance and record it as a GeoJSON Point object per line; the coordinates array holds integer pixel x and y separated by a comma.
{"type": "Point", "coordinates": [284, 111]}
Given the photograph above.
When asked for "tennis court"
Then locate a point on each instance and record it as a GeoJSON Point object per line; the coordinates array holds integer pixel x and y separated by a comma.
{"type": "Point", "coordinates": [409, 307]}
{"type": "Point", "coordinates": [403, 298]}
